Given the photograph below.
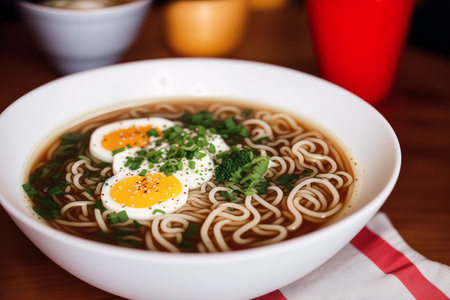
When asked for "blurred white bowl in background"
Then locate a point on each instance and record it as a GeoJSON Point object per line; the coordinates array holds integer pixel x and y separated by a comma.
{"type": "Point", "coordinates": [77, 40]}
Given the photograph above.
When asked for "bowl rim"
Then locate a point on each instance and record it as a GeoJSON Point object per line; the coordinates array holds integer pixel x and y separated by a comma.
{"type": "Point", "coordinates": [361, 213]}
{"type": "Point", "coordinates": [95, 12]}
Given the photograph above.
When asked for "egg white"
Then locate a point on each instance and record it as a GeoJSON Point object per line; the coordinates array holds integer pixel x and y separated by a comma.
{"type": "Point", "coordinates": [95, 144]}
{"type": "Point", "coordinates": [203, 171]}
{"type": "Point", "coordinates": [218, 143]}
{"type": "Point", "coordinates": [190, 178]}
{"type": "Point", "coordinates": [146, 213]}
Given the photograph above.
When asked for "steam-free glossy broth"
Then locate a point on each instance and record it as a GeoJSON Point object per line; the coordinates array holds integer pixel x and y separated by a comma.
{"type": "Point", "coordinates": [190, 176]}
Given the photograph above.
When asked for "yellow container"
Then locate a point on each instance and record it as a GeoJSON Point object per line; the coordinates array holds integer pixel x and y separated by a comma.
{"type": "Point", "coordinates": [205, 27]}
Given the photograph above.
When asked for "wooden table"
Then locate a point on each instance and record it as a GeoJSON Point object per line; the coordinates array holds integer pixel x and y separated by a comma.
{"type": "Point", "coordinates": [418, 110]}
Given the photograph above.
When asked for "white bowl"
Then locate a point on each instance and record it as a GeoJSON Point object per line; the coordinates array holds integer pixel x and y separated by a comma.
{"type": "Point", "coordinates": [244, 274]}
{"type": "Point", "coordinates": [77, 40]}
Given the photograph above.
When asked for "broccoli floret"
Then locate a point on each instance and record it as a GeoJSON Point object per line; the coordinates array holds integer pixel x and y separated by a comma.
{"type": "Point", "coordinates": [231, 164]}
{"type": "Point", "coordinates": [243, 171]}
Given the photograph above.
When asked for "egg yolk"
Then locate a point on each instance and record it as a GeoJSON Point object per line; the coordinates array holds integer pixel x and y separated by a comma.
{"type": "Point", "coordinates": [133, 136]}
{"type": "Point", "coordinates": [145, 191]}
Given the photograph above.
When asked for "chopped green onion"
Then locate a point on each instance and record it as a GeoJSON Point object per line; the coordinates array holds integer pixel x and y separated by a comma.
{"type": "Point", "coordinates": [103, 164]}
{"type": "Point", "coordinates": [136, 163]}
{"type": "Point", "coordinates": [155, 211]}
{"type": "Point", "coordinates": [211, 148]}
{"type": "Point", "coordinates": [90, 191]}
{"type": "Point", "coordinates": [243, 132]}
{"type": "Point", "coordinates": [143, 172]}
{"type": "Point", "coordinates": [199, 155]}
{"type": "Point", "coordinates": [189, 147]}
{"type": "Point", "coordinates": [306, 173]}
{"type": "Point", "coordinates": [137, 224]}
{"type": "Point", "coordinates": [45, 171]}
{"type": "Point", "coordinates": [229, 123]}
{"type": "Point", "coordinates": [262, 140]}
{"type": "Point", "coordinates": [191, 164]}
{"type": "Point", "coordinates": [113, 218]}
{"type": "Point", "coordinates": [141, 153]}
{"type": "Point", "coordinates": [201, 129]}
{"type": "Point", "coordinates": [191, 230]}
{"type": "Point", "coordinates": [47, 203]}
{"type": "Point", "coordinates": [173, 161]}
{"type": "Point", "coordinates": [84, 157]}
{"type": "Point", "coordinates": [223, 155]}
{"type": "Point", "coordinates": [229, 195]}
{"type": "Point", "coordinates": [56, 190]}
{"type": "Point", "coordinates": [249, 193]}
{"type": "Point", "coordinates": [114, 152]}
{"type": "Point", "coordinates": [122, 216]}
{"type": "Point", "coordinates": [132, 242]}
{"type": "Point", "coordinates": [154, 155]}
{"type": "Point", "coordinates": [65, 149]}
{"type": "Point", "coordinates": [247, 112]}
{"type": "Point", "coordinates": [287, 185]}
{"type": "Point", "coordinates": [120, 234]}
{"type": "Point", "coordinates": [29, 189]}
{"type": "Point", "coordinates": [53, 214]}
{"type": "Point", "coordinates": [35, 175]}
{"type": "Point", "coordinates": [74, 137]}
{"type": "Point", "coordinates": [99, 205]}
{"type": "Point", "coordinates": [186, 245]}
{"type": "Point", "coordinates": [64, 182]}
{"type": "Point", "coordinates": [261, 187]}
{"type": "Point", "coordinates": [128, 161]}
{"type": "Point", "coordinates": [56, 176]}
{"type": "Point", "coordinates": [288, 177]}
{"type": "Point", "coordinates": [152, 132]}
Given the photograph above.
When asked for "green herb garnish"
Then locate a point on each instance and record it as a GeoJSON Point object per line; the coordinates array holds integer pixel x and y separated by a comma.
{"type": "Point", "coordinates": [56, 190]}
{"type": "Point", "coordinates": [114, 152]}
{"type": "Point", "coordinates": [152, 132]}
{"type": "Point", "coordinates": [29, 189]}
{"type": "Point", "coordinates": [117, 217]}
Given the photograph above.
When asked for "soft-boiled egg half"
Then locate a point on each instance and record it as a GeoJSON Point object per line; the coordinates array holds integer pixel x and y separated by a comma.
{"type": "Point", "coordinates": [196, 170]}
{"type": "Point", "coordinates": [144, 197]}
{"type": "Point", "coordinates": [139, 186]}
{"type": "Point", "coordinates": [126, 133]}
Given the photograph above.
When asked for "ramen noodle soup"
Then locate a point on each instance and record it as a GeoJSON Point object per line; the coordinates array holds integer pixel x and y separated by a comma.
{"type": "Point", "coordinates": [197, 176]}
{"type": "Point", "coordinates": [82, 4]}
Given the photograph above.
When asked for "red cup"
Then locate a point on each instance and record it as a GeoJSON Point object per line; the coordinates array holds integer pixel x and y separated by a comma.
{"type": "Point", "coordinates": [358, 43]}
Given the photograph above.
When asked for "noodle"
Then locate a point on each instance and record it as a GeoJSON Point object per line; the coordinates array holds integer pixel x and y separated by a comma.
{"type": "Point", "coordinates": [307, 182]}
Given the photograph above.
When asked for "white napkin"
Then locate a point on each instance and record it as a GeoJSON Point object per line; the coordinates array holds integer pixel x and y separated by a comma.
{"type": "Point", "coordinates": [376, 264]}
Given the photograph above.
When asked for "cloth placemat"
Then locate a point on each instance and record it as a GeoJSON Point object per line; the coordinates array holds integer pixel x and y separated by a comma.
{"type": "Point", "coordinates": [376, 264]}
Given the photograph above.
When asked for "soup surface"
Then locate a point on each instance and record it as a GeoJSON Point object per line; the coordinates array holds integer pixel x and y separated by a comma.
{"type": "Point", "coordinates": [190, 176]}
{"type": "Point", "coordinates": [81, 4]}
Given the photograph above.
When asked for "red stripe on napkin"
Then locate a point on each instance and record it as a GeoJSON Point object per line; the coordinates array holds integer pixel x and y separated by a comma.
{"type": "Point", "coordinates": [391, 261]}
{"type": "Point", "coordinates": [275, 295]}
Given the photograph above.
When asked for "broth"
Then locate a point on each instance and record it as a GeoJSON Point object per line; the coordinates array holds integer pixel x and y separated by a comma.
{"type": "Point", "coordinates": [307, 180]}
